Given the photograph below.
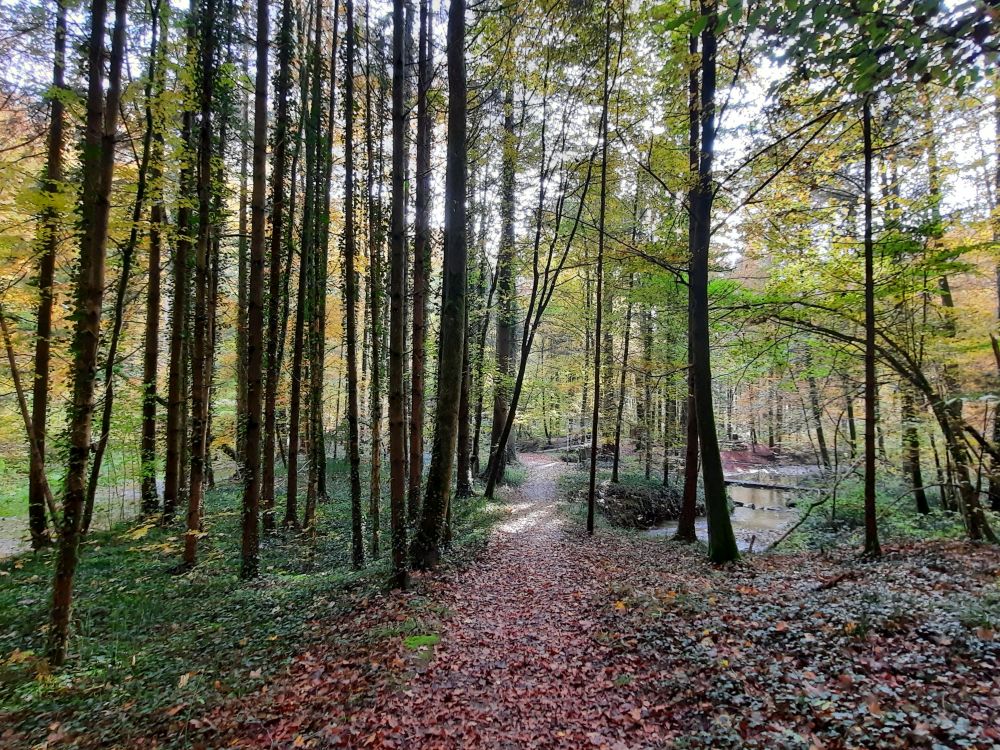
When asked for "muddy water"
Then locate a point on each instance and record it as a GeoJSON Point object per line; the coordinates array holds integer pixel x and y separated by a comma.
{"type": "Point", "coordinates": [761, 514]}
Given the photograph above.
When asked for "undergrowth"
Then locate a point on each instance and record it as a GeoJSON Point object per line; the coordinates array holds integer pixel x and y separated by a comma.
{"type": "Point", "coordinates": [148, 643]}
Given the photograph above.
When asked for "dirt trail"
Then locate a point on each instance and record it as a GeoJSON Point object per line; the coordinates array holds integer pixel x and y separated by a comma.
{"type": "Point", "coordinates": [519, 664]}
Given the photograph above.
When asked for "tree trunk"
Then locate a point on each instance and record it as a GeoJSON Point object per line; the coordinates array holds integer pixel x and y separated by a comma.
{"type": "Point", "coordinates": [279, 167]}
{"type": "Point", "coordinates": [97, 170]}
{"type": "Point", "coordinates": [872, 546]}
{"type": "Point", "coordinates": [173, 474]}
{"type": "Point", "coordinates": [351, 299]}
{"type": "Point", "coordinates": [375, 294]}
{"type": "Point", "coordinates": [397, 327]}
{"type": "Point", "coordinates": [421, 260]}
{"type": "Point", "coordinates": [721, 541]}
{"type": "Point", "coordinates": [463, 484]}
{"type": "Point", "coordinates": [48, 243]}
{"type": "Point", "coordinates": [506, 292]}
{"type": "Point", "coordinates": [128, 254]}
{"type": "Point", "coordinates": [911, 450]}
{"type": "Point", "coordinates": [151, 338]}
{"type": "Point", "coordinates": [619, 418]}
{"type": "Point", "coordinates": [201, 377]}
{"type": "Point", "coordinates": [817, 413]}
{"type": "Point", "coordinates": [425, 551]}
{"type": "Point", "coordinates": [599, 273]}
{"type": "Point", "coordinates": [689, 500]}
{"type": "Point", "coordinates": [647, 389]}
{"type": "Point", "coordinates": [250, 540]}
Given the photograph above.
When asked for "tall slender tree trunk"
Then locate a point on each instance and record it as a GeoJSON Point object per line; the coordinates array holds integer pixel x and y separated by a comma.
{"type": "Point", "coordinates": [201, 377]}
{"type": "Point", "coordinates": [374, 210]}
{"type": "Point", "coordinates": [721, 541]}
{"type": "Point", "coordinates": [49, 229]}
{"type": "Point", "coordinates": [421, 261]}
{"type": "Point", "coordinates": [425, 551]}
{"type": "Point", "coordinates": [151, 337]}
{"type": "Point", "coordinates": [463, 458]}
{"type": "Point", "coordinates": [279, 170]}
{"type": "Point", "coordinates": [994, 487]}
{"type": "Point", "coordinates": [318, 370]}
{"type": "Point", "coordinates": [689, 499]}
{"type": "Point", "coordinates": [176, 449]}
{"type": "Point", "coordinates": [98, 170]}
{"type": "Point", "coordinates": [599, 274]}
{"type": "Point", "coordinates": [506, 292]}
{"type": "Point", "coordinates": [250, 538]}
{"type": "Point", "coordinates": [243, 271]}
{"type": "Point", "coordinates": [619, 417]}
{"type": "Point", "coordinates": [397, 325]}
{"type": "Point", "coordinates": [128, 256]}
{"type": "Point", "coordinates": [872, 546]}
{"type": "Point", "coordinates": [647, 389]}
{"type": "Point", "coordinates": [351, 298]}
{"type": "Point", "coordinates": [311, 77]}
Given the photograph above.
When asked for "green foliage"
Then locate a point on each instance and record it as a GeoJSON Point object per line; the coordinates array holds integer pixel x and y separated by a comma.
{"type": "Point", "coordinates": [839, 523]}
{"type": "Point", "coordinates": [148, 641]}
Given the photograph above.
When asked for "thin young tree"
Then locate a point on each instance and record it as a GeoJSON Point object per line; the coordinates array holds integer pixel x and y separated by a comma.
{"type": "Point", "coordinates": [151, 337]}
{"type": "Point", "coordinates": [279, 173]}
{"type": "Point", "coordinates": [872, 546]}
{"type": "Point", "coordinates": [125, 275]}
{"type": "Point", "coordinates": [375, 294]}
{"type": "Point", "coordinates": [250, 520]}
{"type": "Point", "coordinates": [201, 339]}
{"type": "Point", "coordinates": [351, 296]}
{"type": "Point", "coordinates": [421, 261]}
{"type": "Point", "coordinates": [49, 228]}
{"type": "Point", "coordinates": [599, 274]}
{"type": "Point", "coordinates": [95, 208]}
{"type": "Point", "coordinates": [177, 368]}
{"type": "Point", "coordinates": [310, 75]}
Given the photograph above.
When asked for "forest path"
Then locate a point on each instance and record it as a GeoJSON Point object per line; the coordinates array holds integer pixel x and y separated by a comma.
{"type": "Point", "coordinates": [518, 665]}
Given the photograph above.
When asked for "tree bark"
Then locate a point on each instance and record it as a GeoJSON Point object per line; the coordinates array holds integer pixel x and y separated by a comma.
{"type": "Point", "coordinates": [201, 350]}
{"type": "Point", "coordinates": [425, 551]}
{"type": "Point", "coordinates": [872, 546]}
{"type": "Point", "coordinates": [151, 338]}
{"type": "Point", "coordinates": [279, 167]}
{"type": "Point", "coordinates": [351, 298]}
{"type": "Point", "coordinates": [421, 260]}
{"type": "Point", "coordinates": [397, 325]}
{"type": "Point", "coordinates": [619, 417]}
{"type": "Point", "coordinates": [599, 274]}
{"type": "Point", "coordinates": [48, 244]}
{"type": "Point", "coordinates": [721, 541]}
{"type": "Point", "coordinates": [250, 538]}
{"type": "Point", "coordinates": [128, 255]}
{"type": "Point", "coordinates": [911, 449]}
{"type": "Point", "coordinates": [375, 303]}
{"type": "Point", "coordinates": [506, 293]}
{"type": "Point", "coordinates": [98, 170]}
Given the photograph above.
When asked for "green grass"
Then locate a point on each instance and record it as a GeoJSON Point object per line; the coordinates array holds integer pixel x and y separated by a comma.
{"type": "Point", "coordinates": [414, 642]}
{"type": "Point", "coordinates": [146, 638]}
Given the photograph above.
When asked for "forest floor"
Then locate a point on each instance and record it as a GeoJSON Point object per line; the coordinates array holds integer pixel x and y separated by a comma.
{"type": "Point", "coordinates": [553, 639]}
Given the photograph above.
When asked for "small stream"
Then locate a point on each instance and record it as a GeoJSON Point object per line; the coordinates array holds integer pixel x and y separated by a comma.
{"type": "Point", "coordinates": [761, 514]}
